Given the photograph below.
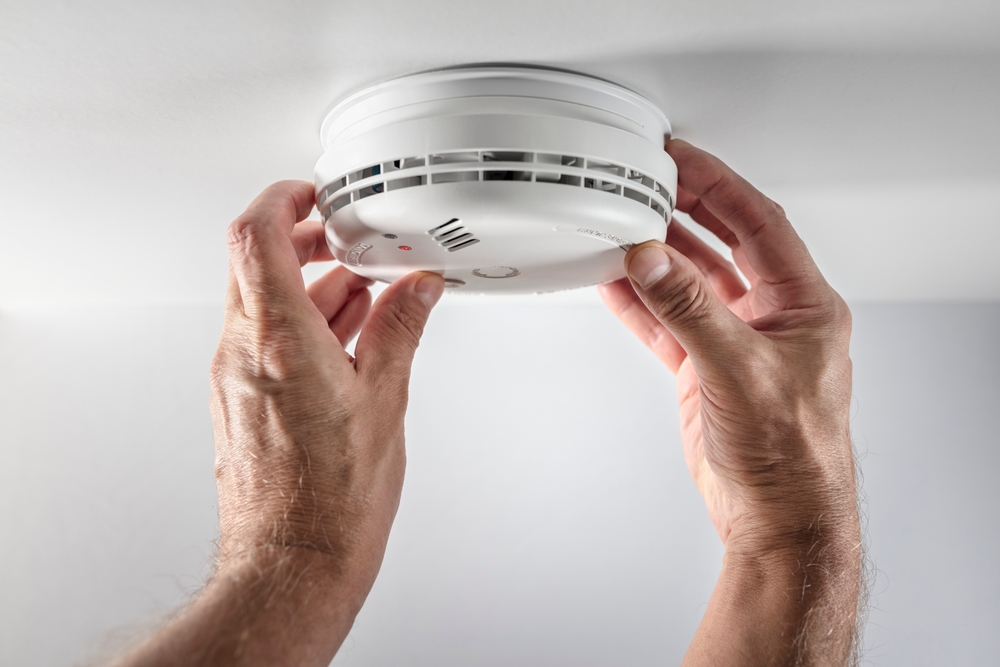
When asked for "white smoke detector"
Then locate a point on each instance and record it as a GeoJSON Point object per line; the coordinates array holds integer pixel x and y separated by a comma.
{"type": "Point", "coordinates": [501, 179]}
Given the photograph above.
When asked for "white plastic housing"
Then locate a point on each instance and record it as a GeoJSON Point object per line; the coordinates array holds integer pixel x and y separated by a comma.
{"type": "Point", "coordinates": [502, 179]}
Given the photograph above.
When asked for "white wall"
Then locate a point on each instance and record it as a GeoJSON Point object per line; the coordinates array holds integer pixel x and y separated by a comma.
{"type": "Point", "coordinates": [547, 517]}
{"type": "Point", "coordinates": [927, 389]}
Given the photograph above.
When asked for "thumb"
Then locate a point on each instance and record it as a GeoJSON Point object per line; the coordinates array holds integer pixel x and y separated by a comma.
{"type": "Point", "coordinates": [679, 296]}
{"type": "Point", "coordinates": [390, 337]}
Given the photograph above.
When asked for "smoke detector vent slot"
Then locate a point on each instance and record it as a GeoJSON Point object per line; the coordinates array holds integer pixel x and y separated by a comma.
{"type": "Point", "coordinates": [409, 182]}
{"type": "Point", "coordinates": [437, 229]}
{"type": "Point", "coordinates": [449, 235]}
{"type": "Point", "coordinates": [638, 196]}
{"type": "Point", "coordinates": [455, 177]}
{"type": "Point", "coordinates": [452, 235]}
{"type": "Point", "coordinates": [506, 156]}
{"type": "Point", "coordinates": [452, 158]}
{"type": "Point", "coordinates": [463, 244]}
{"type": "Point", "coordinates": [333, 187]}
{"type": "Point", "coordinates": [499, 175]}
{"type": "Point", "coordinates": [456, 240]}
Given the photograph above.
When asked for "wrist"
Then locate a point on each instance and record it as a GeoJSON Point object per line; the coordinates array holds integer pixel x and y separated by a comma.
{"type": "Point", "coordinates": [816, 560]}
{"type": "Point", "coordinates": [788, 591]}
{"type": "Point", "coordinates": [299, 575]}
{"type": "Point", "coordinates": [787, 601]}
{"type": "Point", "coordinates": [792, 502]}
{"type": "Point", "coordinates": [807, 529]}
{"type": "Point", "coordinates": [267, 606]}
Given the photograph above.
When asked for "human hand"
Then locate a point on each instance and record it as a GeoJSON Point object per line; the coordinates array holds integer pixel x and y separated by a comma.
{"type": "Point", "coordinates": [763, 378]}
{"type": "Point", "coordinates": [309, 445]}
{"type": "Point", "coordinates": [309, 441]}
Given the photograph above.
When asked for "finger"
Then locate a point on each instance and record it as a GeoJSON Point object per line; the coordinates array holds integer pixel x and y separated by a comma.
{"type": "Point", "coordinates": [346, 324]}
{"type": "Point", "coordinates": [309, 240]}
{"type": "Point", "coordinates": [333, 289]}
{"type": "Point", "coordinates": [740, 260]}
{"type": "Point", "coordinates": [261, 252]}
{"type": "Point", "coordinates": [390, 337]}
{"type": "Point", "coordinates": [621, 299]}
{"type": "Point", "coordinates": [772, 247]}
{"type": "Point", "coordinates": [680, 298]}
{"type": "Point", "coordinates": [688, 203]}
{"type": "Point", "coordinates": [721, 274]}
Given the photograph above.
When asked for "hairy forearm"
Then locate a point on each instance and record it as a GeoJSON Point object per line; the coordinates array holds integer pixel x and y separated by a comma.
{"type": "Point", "coordinates": [794, 605]}
{"type": "Point", "coordinates": [274, 606]}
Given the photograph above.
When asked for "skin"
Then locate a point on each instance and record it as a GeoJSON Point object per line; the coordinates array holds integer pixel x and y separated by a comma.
{"type": "Point", "coordinates": [310, 453]}
{"type": "Point", "coordinates": [764, 387]}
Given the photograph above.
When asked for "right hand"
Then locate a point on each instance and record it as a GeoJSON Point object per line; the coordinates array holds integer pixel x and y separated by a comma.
{"type": "Point", "coordinates": [309, 440]}
{"type": "Point", "coordinates": [763, 374]}
{"type": "Point", "coordinates": [309, 445]}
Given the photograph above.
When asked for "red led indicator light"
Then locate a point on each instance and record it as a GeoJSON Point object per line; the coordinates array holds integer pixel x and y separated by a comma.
{"type": "Point", "coordinates": [405, 247]}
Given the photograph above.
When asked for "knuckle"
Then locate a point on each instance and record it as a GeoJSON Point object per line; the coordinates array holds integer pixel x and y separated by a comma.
{"type": "Point", "coordinates": [277, 352]}
{"type": "Point", "coordinates": [265, 349]}
{"type": "Point", "coordinates": [779, 210]}
{"type": "Point", "coordinates": [240, 234]}
{"type": "Point", "coordinates": [836, 314]}
{"type": "Point", "coordinates": [404, 324]}
{"type": "Point", "coordinates": [243, 235]}
{"type": "Point", "coordinates": [842, 313]}
{"type": "Point", "coordinates": [681, 300]}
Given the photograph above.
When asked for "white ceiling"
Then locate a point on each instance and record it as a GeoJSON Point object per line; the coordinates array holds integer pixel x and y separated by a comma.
{"type": "Point", "coordinates": [131, 133]}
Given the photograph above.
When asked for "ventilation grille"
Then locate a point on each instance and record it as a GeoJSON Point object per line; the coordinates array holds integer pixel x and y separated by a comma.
{"type": "Point", "coordinates": [452, 235]}
{"type": "Point", "coordinates": [486, 165]}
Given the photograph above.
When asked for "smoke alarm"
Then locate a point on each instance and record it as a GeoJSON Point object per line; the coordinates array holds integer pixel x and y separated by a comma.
{"type": "Point", "coordinates": [501, 179]}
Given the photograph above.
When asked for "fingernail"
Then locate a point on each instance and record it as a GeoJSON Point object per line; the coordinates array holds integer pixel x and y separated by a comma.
{"type": "Point", "coordinates": [648, 266]}
{"type": "Point", "coordinates": [429, 289]}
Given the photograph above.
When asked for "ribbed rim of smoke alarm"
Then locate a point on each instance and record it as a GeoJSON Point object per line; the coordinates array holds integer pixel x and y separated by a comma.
{"type": "Point", "coordinates": [483, 72]}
